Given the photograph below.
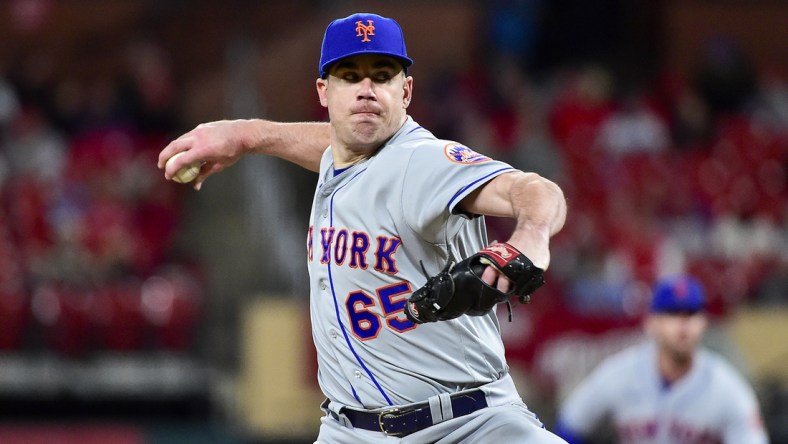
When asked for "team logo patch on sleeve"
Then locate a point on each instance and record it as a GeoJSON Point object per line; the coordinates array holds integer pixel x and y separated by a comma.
{"type": "Point", "coordinates": [462, 154]}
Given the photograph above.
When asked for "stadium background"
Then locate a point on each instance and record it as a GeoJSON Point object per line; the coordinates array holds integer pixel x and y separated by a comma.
{"type": "Point", "coordinates": [133, 310]}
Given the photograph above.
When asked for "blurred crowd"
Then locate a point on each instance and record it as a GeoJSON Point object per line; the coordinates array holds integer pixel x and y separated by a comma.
{"type": "Point", "coordinates": [676, 174]}
{"type": "Point", "coordinates": [87, 223]}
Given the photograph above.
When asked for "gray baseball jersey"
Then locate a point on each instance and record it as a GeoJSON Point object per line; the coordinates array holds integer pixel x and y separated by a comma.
{"type": "Point", "coordinates": [711, 404]}
{"type": "Point", "coordinates": [371, 226]}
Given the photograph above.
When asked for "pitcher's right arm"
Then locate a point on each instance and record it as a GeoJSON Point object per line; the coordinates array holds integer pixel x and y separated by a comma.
{"type": "Point", "coordinates": [221, 144]}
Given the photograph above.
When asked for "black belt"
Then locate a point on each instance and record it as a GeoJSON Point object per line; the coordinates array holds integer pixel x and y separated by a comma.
{"type": "Point", "coordinates": [400, 422]}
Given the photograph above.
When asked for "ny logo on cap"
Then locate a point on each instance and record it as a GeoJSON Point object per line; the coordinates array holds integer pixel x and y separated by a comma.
{"type": "Point", "coordinates": [365, 31]}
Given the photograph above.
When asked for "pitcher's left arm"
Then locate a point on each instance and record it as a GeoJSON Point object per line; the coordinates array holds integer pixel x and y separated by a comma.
{"type": "Point", "coordinates": [538, 206]}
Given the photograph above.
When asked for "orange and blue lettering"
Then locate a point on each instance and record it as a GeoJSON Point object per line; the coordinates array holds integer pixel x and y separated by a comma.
{"type": "Point", "coordinates": [358, 250]}
{"type": "Point", "coordinates": [384, 260]}
{"type": "Point", "coordinates": [340, 246]}
{"type": "Point", "coordinates": [327, 235]}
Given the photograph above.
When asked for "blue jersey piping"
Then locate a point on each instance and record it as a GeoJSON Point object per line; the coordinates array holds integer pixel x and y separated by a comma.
{"type": "Point", "coordinates": [336, 308]}
{"type": "Point", "coordinates": [462, 190]}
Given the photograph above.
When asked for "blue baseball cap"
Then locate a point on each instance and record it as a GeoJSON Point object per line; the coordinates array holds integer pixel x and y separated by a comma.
{"type": "Point", "coordinates": [362, 33]}
{"type": "Point", "coordinates": [681, 294]}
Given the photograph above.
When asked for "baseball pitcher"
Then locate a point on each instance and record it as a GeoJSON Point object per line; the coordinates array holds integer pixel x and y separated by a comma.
{"type": "Point", "coordinates": [404, 283]}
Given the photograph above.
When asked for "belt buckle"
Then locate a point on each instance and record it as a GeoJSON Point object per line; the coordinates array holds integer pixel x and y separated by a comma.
{"type": "Point", "coordinates": [383, 414]}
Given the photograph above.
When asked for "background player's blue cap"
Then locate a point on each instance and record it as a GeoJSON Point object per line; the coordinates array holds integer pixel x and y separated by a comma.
{"type": "Point", "coordinates": [681, 294]}
{"type": "Point", "coordinates": [362, 33]}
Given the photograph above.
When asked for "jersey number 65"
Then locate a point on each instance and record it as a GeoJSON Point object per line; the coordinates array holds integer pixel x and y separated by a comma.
{"type": "Point", "coordinates": [366, 323]}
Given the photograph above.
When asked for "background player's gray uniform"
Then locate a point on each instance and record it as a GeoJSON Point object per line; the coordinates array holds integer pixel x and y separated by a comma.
{"type": "Point", "coordinates": [369, 228]}
{"type": "Point", "coordinates": [711, 404]}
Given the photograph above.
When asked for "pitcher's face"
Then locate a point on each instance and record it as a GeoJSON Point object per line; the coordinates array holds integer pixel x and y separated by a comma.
{"type": "Point", "coordinates": [367, 97]}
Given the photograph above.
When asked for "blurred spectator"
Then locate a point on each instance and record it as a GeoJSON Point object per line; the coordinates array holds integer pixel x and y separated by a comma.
{"type": "Point", "coordinates": [33, 74]}
{"type": "Point", "coordinates": [770, 104]}
{"type": "Point", "coordinates": [9, 104]}
{"type": "Point", "coordinates": [148, 88]}
{"type": "Point", "coordinates": [514, 27]}
{"type": "Point", "coordinates": [580, 106]}
{"type": "Point", "coordinates": [692, 120]}
{"type": "Point", "coordinates": [33, 148]}
{"type": "Point", "coordinates": [634, 128]}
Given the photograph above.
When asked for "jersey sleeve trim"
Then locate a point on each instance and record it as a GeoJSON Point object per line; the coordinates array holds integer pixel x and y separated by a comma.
{"type": "Point", "coordinates": [467, 189]}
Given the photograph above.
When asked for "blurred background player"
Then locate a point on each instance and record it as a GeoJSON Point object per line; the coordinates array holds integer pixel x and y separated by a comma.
{"type": "Point", "coordinates": [670, 389]}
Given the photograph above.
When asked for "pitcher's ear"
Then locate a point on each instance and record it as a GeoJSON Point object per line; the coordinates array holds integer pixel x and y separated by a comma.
{"type": "Point", "coordinates": [408, 91]}
{"type": "Point", "coordinates": [321, 85]}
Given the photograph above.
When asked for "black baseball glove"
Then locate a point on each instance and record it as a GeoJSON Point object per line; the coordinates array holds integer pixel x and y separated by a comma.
{"type": "Point", "coordinates": [459, 289]}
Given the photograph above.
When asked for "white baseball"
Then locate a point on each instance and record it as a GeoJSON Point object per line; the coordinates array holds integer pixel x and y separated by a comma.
{"type": "Point", "coordinates": [187, 173]}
